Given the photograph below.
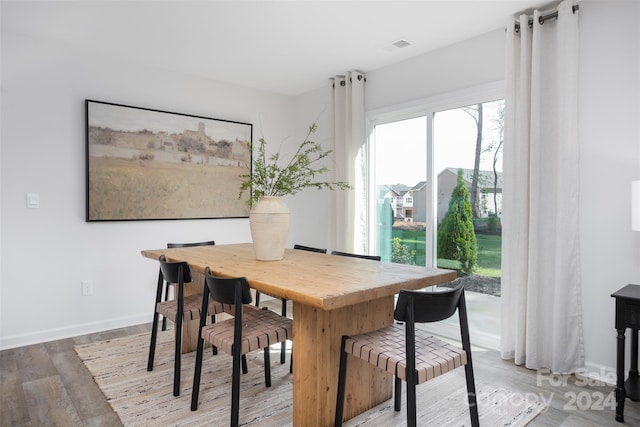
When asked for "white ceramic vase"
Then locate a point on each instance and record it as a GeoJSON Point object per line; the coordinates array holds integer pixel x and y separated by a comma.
{"type": "Point", "coordinates": [269, 222]}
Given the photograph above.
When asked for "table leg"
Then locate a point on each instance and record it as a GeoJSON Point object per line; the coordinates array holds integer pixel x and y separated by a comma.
{"type": "Point", "coordinates": [316, 351]}
{"type": "Point", "coordinates": [620, 392]}
{"type": "Point", "coordinates": [633, 370]}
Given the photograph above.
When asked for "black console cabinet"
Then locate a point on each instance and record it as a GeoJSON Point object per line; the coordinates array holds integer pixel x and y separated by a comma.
{"type": "Point", "coordinates": [627, 316]}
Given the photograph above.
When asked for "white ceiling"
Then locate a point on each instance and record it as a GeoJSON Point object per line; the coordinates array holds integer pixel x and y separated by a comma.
{"type": "Point", "coordinates": [288, 47]}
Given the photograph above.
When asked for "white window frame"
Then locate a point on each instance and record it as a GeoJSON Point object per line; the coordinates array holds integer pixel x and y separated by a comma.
{"type": "Point", "coordinates": [426, 107]}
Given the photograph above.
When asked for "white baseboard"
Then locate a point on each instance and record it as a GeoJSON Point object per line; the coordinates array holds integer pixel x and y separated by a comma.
{"type": "Point", "coordinates": [13, 341]}
{"type": "Point", "coordinates": [597, 374]}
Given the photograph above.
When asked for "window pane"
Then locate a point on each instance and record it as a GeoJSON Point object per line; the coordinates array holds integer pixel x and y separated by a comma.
{"type": "Point", "coordinates": [468, 163]}
{"type": "Point", "coordinates": [400, 181]}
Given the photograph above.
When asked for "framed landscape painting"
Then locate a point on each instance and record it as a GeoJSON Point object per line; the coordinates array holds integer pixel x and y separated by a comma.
{"type": "Point", "coordinates": [145, 164]}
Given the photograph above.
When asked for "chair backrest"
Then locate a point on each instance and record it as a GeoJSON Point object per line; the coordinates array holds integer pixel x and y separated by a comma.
{"type": "Point", "coordinates": [174, 272]}
{"type": "Point", "coordinates": [225, 289]}
{"type": "Point", "coordinates": [372, 257]}
{"type": "Point", "coordinates": [187, 245]}
{"type": "Point", "coordinates": [310, 249]}
{"type": "Point", "coordinates": [428, 306]}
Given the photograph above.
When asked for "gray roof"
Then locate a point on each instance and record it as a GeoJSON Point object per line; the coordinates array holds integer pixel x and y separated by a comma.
{"type": "Point", "coordinates": [419, 186]}
{"type": "Point", "coordinates": [399, 188]}
{"type": "Point", "coordinates": [485, 178]}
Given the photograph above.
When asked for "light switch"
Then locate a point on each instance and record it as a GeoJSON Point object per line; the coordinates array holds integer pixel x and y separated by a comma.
{"type": "Point", "coordinates": [33, 200]}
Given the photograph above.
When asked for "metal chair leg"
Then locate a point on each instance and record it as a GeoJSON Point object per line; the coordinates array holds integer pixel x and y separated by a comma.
{"type": "Point", "coordinates": [283, 345]}
{"type": "Point", "coordinates": [342, 379]}
{"type": "Point", "coordinates": [267, 367]}
{"type": "Point", "coordinates": [178, 357]}
{"type": "Point", "coordinates": [152, 346]}
{"type": "Point", "coordinates": [398, 394]}
{"type": "Point", "coordinates": [471, 393]}
{"type": "Point", "coordinates": [411, 400]}
{"type": "Point", "coordinates": [166, 298]}
{"type": "Point", "coordinates": [245, 369]}
{"type": "Point", "coordinates": [197, 375]}
{"type": "Point", "coordinates": [235, 391]}
{"type": "Point", "coordinates": [178, 336]}
{"type": "Point", "coordinates": [154, 326]}
{"type": "Point", "coordinates": [214, 349]}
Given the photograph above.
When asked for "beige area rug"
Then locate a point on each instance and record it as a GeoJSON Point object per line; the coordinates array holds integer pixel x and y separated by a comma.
{"type": "Point", "coordinates": [142, 398]}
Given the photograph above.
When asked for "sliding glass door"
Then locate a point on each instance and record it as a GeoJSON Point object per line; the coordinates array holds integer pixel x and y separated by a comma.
{"type": "Point", "coordinates": [436, 198]}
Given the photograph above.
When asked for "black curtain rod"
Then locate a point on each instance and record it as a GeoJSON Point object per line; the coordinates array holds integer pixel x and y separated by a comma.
{"type": "Point", "coordinates": [553, 15]}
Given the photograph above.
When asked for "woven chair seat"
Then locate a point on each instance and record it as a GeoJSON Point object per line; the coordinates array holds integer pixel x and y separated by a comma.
{"type": "Point", "coordinates": [386, 349]}
{"type": "Point", "coordinates": [192, 307]}
{"type": "Point", "coordinates": [260, 329]}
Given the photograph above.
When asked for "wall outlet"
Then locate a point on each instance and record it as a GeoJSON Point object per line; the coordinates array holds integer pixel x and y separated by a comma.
{"type": "Point", "coordinates": [87, 288]}
{"type": "Point", "coordinates": [33, 200]}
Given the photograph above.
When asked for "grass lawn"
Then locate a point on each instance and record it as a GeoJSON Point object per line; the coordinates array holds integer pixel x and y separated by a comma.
{"type": "Point", "coordinates": [489, 251]}
{"type": "Point", "coordinates": [489, 255]}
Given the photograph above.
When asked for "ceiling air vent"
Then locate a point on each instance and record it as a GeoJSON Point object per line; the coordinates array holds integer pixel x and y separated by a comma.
{"type": "Point", "coordinates": [401, 44]}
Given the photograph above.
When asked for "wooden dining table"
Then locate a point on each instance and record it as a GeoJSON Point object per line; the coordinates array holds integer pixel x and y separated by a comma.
{"type": "Point", "coordinates": [332, 296]}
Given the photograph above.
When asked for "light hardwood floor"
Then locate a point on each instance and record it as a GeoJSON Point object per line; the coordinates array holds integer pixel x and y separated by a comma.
{"type": "Point", "coordinates": [47, 384]}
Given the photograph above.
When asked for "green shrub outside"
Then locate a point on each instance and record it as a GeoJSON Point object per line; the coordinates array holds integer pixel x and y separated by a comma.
{"type": "Point", "coordinates": [401, 253]}
{"type": "Point", "coordinates": [456, 235]}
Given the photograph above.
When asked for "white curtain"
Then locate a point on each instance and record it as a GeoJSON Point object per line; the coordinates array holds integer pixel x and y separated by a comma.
{"type": "Point", "coordinates": [347, 224]}
{"type": "Point", "coordinates": [541, 283]}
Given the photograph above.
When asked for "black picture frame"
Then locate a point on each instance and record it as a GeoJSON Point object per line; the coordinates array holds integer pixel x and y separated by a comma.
{"type": "Point", "coordinates": [147, 164]}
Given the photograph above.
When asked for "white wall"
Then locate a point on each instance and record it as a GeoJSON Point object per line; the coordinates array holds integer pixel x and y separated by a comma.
{"type": "Point", "coordinates": [610, 159]}
{"type": "Point", "coordinates": [310, 208]}
{"type": "Point", "coordinates": [470, 63]}
{"type": "Point", "coordinates": [609, 139]}
{"type": "Point", "coordinates": [47, 252]}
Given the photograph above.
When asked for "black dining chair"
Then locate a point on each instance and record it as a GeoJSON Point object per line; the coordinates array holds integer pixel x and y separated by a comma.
{"type": "Point", "coordinates": [249, 330]}
{"type": "Point", "coordinates": [412, 354]}
{"type": "Point", "coordinates": [168, 285]}
{"type": "Point", "coordinates": [371, 257]}
{"type": "Point", "coordinates": [178, 309]}
{"type": "Point", "coordinates": [310, 249]}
